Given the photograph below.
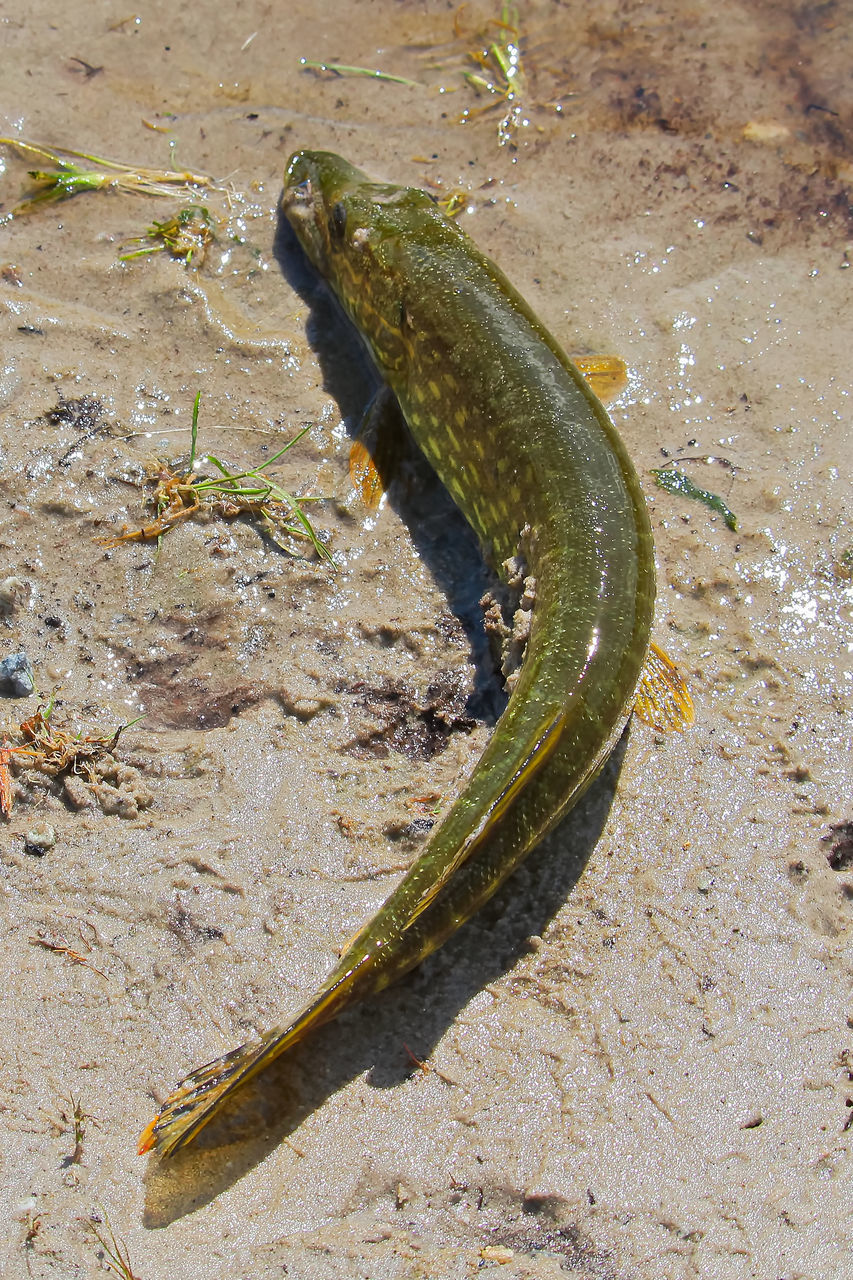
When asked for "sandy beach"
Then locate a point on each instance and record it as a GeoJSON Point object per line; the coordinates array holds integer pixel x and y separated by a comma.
{"type": "Point", "coordinates": [636, 1063]}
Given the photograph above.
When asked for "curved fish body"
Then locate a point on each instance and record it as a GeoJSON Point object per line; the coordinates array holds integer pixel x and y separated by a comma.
{"type": "Point", "coordinates": [534, 463]}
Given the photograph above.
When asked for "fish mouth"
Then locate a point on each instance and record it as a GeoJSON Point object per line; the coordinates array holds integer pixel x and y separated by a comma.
{"type": "Point", "coordinates": [313, 184]}
{"type": "Point", "coordinates": [297, 199]}
{"type": "Point", "coordinates": [322, 173]}
{"type": "Point", "coordinates": [303, 207]}
{"type": "Point", "coordinates": [298, 202]}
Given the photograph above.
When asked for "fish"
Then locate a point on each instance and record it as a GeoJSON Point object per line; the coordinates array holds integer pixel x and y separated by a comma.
{"type": "Point", "coordinates": [531, 458]}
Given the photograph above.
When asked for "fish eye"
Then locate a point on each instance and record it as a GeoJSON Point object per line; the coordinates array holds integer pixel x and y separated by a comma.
{"type": "Point", "coordinates": [338, 219]}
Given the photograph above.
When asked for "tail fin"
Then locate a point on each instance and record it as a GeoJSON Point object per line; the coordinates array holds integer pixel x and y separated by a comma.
{"type": "Point", "coordinates": [200, 1095]}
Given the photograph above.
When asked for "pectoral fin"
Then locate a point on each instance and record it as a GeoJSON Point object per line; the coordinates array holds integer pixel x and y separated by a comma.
{"type": "Point", "coordinates": [607, 376]}
{"type": "Point", "coordinates": [375, 453]}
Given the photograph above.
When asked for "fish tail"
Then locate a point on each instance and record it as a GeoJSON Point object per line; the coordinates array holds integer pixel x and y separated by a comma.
{"type": "Point", "coordinates": [204, 1091]}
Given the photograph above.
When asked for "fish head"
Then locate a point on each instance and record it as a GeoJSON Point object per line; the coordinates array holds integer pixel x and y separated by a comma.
{"type": "Point", "coordinates": [361, 236]}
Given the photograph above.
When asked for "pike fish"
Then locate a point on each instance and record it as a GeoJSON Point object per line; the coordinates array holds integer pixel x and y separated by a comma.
{"type": "Point", "coordinates": [535, 464]}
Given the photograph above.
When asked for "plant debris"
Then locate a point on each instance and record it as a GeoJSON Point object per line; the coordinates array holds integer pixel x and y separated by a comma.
{"type": "Point", "coordinates": [75, 1117]}
{"type": "Point", "coordinates": [5, 779]}
{"type": "Point", "coordinates": [339, 69]}
{"type": "Point", "coordinates": [69, 179]}
{"type": "Point", "coordinates": [499, 75]}
{"type": "Point", "coordinates": [60, 946]}
{"type": "Point", "coordinates": [454, 202]}
{"type": "Point", "coordinates": [675, 481]}
{"type": "Point", "coordinates": [39, 745]}
{"type": "Point", "coordinates": [116, 1254]}
{"type": "Point", "coordinates": [186, 235]}
{"type": "Point", "coordinates": [179, 495]}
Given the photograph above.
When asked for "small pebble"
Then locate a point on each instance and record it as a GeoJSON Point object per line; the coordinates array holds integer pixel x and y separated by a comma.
{"type": "Point", "coordinates": [497, 1253]}
{"type": "Point", "coordinates": [40, 839]}
{"type": "Point", "coordinates": [771, 131]}
{"type": "Point", "coordinates": [16, 676]}
{"type": "Point", "coordinates": [12, 591]}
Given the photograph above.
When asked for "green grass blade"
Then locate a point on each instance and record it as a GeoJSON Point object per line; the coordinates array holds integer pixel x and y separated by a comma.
{"type": "Point", "coordinates": [194, 434]}
{"type": "Point", "coordinates": [340, 69]}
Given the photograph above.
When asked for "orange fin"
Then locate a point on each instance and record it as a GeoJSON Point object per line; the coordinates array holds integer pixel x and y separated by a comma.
{"type": "Point", "coordinates": [607, 376]}
{"type": "Point", "coordinates": [663, 700]}
{"type": "Point", "coordinates": [365, 476]}
{"type": "Point", "coordinates": [375, 453]}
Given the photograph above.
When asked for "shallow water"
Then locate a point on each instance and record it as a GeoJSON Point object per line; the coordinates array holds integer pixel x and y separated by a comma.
{"type": "Point", "coordinates": [644, 1073]}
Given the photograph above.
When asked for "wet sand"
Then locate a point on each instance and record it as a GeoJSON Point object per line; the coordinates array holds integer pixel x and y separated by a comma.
{"type": "Point", "coordinates": [639, 1056]}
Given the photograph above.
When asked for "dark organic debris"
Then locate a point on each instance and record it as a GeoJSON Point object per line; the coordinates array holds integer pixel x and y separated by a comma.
{"type": "Point", "coordinates": [411, 830]}
{"type": "Point", "coordinates": [83, 413]}
{"type": "Point", "coordinates": [188, 928]}
{"type": "Point", "coordinates": [417, 728]}
{"type": "Point", "coordinates": [85, 68]}
{"type": "Point", "coordinates": [175, 699]}
{"type": "Point", "coordinates": [840, 856]}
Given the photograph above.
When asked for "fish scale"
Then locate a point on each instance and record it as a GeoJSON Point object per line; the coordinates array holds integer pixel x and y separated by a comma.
{"type": "Point", "coordinates": [536, 466]}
